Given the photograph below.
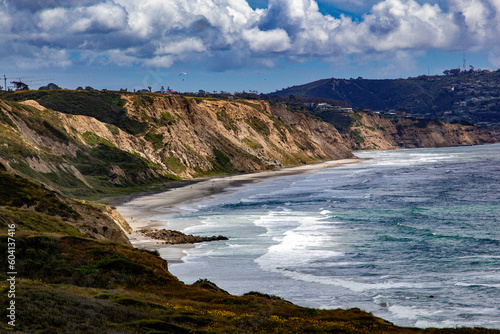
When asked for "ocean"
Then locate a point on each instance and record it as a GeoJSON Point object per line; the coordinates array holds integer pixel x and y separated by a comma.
{"type": "Point", "coordinates": [412, 236]}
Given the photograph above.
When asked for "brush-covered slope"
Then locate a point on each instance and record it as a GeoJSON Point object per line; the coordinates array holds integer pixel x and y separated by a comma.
{"type": "Point", "coordinates": [373, 94]}
{"type": "Point", "coordinates": [92, 143]}
{"type": "Point", "coordinates": [32, 207]}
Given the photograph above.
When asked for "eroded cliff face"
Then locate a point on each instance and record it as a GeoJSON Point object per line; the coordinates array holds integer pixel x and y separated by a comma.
{"type": "Point", "coordinates": [155, 138]}
{"type": "Point", "coordinates": [381, 133]}
{"type": "Point", "coordinates": [194, 137]}
{"type": "Point", "coordinates": [182, 138]}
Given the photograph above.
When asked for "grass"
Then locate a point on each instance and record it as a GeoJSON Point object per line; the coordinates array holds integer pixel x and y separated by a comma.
{"type": "Point", "coordinates": [356, 133]}
{"type": "Point", "coordinates": [155, 138]}
{"type": "Point", "coordinates": [227, 121]}
{"type": "Point", "coordinates": [167, 119]}
{"type": "Point", "coordinates": [18, 192]}
{"type": "Point", "coordinates": [35, 221]}
{"type": "Point", "coordinates": [94, 139]}
{"type": "Point", "coordinates": [98, 168]}
{"type": "Point", "coordinates": [258, 125]}
{"type": "Point", "coordinates": [252, 143]}
{"type": "Point", "coordinates": [222, 162]}
{"type": "Point", "coordinates": [108, 107]}
{"type": "Point", "coordinates": [340, 121]}
{"type": "Point", "coordinates": [173, 163]}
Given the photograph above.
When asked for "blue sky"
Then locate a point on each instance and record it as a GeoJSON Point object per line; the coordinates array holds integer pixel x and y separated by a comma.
{"type": "Point", "coordinates": [236, 45]}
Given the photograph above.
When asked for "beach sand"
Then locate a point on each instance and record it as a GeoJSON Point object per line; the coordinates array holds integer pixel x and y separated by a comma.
{"type": "Point", "coordinates": [142, 210]}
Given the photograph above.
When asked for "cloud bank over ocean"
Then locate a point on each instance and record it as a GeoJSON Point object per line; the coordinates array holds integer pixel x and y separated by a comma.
{"type": "Point", "coordinates": [232, 34]}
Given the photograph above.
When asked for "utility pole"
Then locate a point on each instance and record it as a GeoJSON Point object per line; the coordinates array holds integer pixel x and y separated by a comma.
{"type": "Point", "coordinates": [5, 82]}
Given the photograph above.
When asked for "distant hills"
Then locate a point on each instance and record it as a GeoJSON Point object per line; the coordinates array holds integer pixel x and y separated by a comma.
{"type": "Point", "coordinates": [472, 96]}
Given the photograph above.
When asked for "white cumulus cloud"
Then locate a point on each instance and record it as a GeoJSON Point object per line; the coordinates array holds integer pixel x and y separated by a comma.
{"type": "Point", "coordinates": [159, 33]}
{"type": "Point", "coordinates": [275, 40]}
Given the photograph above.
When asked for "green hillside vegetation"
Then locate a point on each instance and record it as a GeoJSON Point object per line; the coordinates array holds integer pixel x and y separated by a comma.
{"type": "Point", "coordinates": [138, 147]}
{"type": "Point", "coordinates": [107, 107]}
{"type": "Point", "coordinates": [33, 207]}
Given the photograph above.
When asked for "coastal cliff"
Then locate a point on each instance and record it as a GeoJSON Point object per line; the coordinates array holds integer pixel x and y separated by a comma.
{"type": "Point", "coordinates": [64, 140]}
{"type": "Point", "coordinates": [376, 132]}
{"type": "Point", "coordinates": [89, 145]}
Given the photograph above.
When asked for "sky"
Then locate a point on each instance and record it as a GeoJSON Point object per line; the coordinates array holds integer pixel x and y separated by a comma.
{"type": "Point", "coordinates": [240, 45]}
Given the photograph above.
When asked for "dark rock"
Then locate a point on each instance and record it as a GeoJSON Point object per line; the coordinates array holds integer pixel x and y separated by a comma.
{"type": "Point", "coordinates": [176, 237]}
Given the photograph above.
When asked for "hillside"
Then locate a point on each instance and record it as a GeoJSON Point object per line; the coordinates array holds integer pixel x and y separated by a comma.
{"type": "Point", "coordinates": [33, 207]}
{"type": "Point", "coordinates": [68, 281]}
{"type": "Point", "coordinates": [96, 143]}
{"type": "Point", "coordinates": [471, 96]}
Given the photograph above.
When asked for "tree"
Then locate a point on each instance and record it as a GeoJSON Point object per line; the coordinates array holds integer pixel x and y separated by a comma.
{"type": "Point", "coordinates": [20, 85]}
{"type": "Point", "coordinates": [50, 86]}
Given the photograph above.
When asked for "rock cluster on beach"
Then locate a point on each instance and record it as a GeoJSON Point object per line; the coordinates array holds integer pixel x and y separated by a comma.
{"type": "Point", "coordinates": [176, 237]}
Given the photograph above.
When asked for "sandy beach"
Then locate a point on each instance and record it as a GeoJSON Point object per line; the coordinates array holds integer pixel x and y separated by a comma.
{"type": "Point", "coordinates": [142, 210]}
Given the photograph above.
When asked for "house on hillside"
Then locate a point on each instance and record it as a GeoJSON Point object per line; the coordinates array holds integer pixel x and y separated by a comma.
{"type": "Point", "coordinates": [344, 109]}
{"type": "Point", "coordinates": [323, 106]}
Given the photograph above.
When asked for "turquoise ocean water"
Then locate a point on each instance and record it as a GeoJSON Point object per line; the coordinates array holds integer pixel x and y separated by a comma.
{"type": "Point", "coordinates": [412, 236]}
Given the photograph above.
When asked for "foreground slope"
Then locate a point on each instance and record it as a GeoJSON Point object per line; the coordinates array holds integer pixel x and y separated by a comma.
{"type": "Point", "coordinates": [33, 207]}
{"type": "Point", "coordinates": [71, 282]}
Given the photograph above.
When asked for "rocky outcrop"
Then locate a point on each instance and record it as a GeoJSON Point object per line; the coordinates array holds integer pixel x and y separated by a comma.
{"type": "Point", "coordinates": [175, 237]}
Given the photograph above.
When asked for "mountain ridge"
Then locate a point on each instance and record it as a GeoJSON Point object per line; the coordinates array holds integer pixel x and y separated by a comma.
{"type": "Point", "coordinates": [175, 138]}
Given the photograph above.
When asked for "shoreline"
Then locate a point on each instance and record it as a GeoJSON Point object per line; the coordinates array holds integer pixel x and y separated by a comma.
{"type": "Point", "coordinates": [142, 209]}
